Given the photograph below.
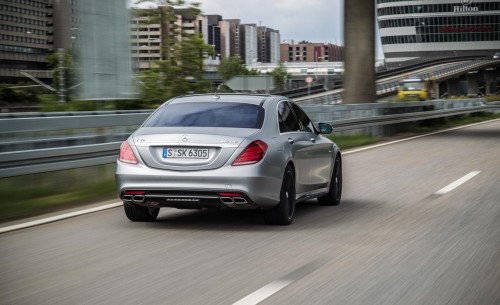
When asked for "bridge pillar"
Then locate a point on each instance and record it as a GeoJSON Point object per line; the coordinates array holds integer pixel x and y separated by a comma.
{"type": "Point", "coordinates": [359, 35]}
{"type": "Point", "coordinates": [473, 78]}
{"type": "Point", "coordinates": [435, 92]}
{"type": "Point", "coordinates": [490, 77]}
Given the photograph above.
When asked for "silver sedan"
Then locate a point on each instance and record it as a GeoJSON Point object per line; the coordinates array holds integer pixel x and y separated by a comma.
{"type": "Point", "coordinates": [228, 151]}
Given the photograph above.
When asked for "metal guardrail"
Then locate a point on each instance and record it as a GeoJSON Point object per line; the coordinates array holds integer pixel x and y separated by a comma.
{"type": "Point", "coordinates": [33, 144]}
{"type": "Point", "coordinates": [405, 117]}
{"type": "Point", "coordinates": [36, 130]}
{"type": "Point", "coordinates": [54, 159]}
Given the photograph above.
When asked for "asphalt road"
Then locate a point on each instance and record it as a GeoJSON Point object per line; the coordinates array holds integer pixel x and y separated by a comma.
{"type": "Point", "coordinates": [408, 231]}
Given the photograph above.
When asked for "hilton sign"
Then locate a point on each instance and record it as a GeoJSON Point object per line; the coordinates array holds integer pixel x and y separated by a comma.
{"type": "Point", "coordinates": [465, 7]}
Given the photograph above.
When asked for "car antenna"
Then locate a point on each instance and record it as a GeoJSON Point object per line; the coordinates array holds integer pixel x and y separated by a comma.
{"type": "Point", "coordinates": [216, 95]}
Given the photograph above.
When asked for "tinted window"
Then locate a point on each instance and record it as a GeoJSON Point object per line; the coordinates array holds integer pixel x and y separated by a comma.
{"type": "Point", "coordinates": [307, 125]}
{"type": "Point", "coordinates": [286, 118]}
{"type": "Point", "coordinates": [208, 114]}
{"type": "Point", "coordinates": [411, 86]}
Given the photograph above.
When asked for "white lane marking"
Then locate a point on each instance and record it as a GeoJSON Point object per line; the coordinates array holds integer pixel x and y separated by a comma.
{"type": "Point", "coordinates": [413, 138]}
{"type": "Point", "coordinates": [263, 293]}
{"type": "Point", "coordinates": [58, 217]}
{"type": "Point", "coordinates": [275, 286]}
{"type": "Point", "coordinates": [450, 187]}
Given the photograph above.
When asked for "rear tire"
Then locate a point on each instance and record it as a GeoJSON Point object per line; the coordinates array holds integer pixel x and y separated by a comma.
{"type": "Point", "coordinates": [335, 191]}
{"type": "Point", "coordinates": [139, 213]}
{"type": "Point", "coordinates": [283, 213]}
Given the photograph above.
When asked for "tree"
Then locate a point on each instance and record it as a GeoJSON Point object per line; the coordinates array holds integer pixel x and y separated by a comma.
{"type": "Point", "coordinates": [230, 67]}
{"type": "Point", "coordinates": [180, 70]}
{"type": "Point", "coordinates": [233, 66]}
{"type": "Point", "coordinates": [68, 68]}
{"type": "Point", "coordinates": [7, 95]}
{"type": "Point", "coordinates": [280, 74]}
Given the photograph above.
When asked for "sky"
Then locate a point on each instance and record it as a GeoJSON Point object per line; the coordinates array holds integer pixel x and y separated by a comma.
{"type": "Point", "coordinates": [311, 20]}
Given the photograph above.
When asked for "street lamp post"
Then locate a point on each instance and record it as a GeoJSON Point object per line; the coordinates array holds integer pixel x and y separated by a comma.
{"type": "Point", "coordinates": [316, 58]}
{"type": "Point", "coordinates": [62, 93]}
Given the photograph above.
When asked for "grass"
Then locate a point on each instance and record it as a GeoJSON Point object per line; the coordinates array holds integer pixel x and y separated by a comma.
{"type": "Point", "coordinates": [38, 194]}
{"type": "Point", "coordinates": [350, 141]}
{"type": "Point", "coordinates": [492, 98]}
{"type": "Point", "coordinates": [455, 121]}
{"type": "Point", "coordinates": [27, 207]}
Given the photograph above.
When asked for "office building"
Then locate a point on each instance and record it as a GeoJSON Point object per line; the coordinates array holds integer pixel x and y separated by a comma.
{"type": "Point", "coordinates": [65, 24]}
{"type": "Point", "coordinates": [438, 28]}
{"type": "Point", "coordinates": [26, 38]}
{"type": "Point", "coordinates": [311, 52]}
{"type": "Point", "coordinates": [230, 37]}
{"type": "Point", "coordinates": [268, 45]}
{"type": "Point", "coordinates": [248, 43]}
{"type": "Point", "coordinates": [212, 33]}
{"type": "Point", "coordinates": [145, 42]}
{"type": "Point", "coordinates": [30, 30]}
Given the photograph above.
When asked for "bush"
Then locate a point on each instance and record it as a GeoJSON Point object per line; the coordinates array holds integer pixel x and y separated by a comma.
{"type": "Point", "coordinates": [492, 98]}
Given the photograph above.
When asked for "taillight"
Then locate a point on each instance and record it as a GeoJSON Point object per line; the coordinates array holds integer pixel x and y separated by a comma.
{"type": "Point", "coordinates": [127, 154]}
{"type": "Point", "coordinates": [134, 192]}
{"type": "Point", "coordinates": [253, 153]}
{"type": "Point", "coordinates": [224, 194]}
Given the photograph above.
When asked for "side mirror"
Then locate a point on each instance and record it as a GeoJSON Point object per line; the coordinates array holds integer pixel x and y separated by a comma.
{"type": "Point", "coordinates": [325, 128]}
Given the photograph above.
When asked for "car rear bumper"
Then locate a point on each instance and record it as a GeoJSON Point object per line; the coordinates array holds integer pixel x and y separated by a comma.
{"type": "Point", "coordinates": [249, 187]}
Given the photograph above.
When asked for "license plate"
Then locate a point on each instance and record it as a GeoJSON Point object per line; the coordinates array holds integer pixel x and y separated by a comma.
{"type": "Point", "coordinates": [186, 153]}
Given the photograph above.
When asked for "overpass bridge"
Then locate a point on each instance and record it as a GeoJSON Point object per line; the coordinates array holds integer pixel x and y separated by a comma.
{"type": "Point", "coordinates": [457, 77]}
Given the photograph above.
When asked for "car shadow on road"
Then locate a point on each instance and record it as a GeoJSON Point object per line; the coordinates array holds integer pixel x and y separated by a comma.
{"type": "Point", "coordinates": [308, 214]}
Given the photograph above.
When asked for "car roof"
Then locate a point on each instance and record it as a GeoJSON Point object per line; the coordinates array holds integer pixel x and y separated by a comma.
{"type": "Point", "coordinates": [256, 99]}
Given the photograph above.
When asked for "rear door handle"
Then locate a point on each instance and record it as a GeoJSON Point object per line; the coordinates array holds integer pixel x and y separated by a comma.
{"type": "Point", "coordinates": [313, 140]}
{"type": "Point", "coordinates": [291, 141]}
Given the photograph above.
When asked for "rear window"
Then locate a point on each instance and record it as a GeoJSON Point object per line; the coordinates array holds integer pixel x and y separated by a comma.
{"type": "Point", "coordinates": [208, 114]}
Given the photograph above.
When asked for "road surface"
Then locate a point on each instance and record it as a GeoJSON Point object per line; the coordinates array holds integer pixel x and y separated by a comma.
{"type": "Point", "coordinates": [419, 223]}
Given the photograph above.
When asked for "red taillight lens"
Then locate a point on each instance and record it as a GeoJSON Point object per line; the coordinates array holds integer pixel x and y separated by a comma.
{"type": "Point", "coordinates": [134, 192]}
{"type": "Point", "coordinates": [253, 153]}
{"type": "Point", "coordinates": [127, 154]}
{"type": "Point", "coordinates": [230, 195]}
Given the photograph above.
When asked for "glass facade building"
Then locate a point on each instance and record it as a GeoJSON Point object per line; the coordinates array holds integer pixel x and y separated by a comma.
{"type": "Point", "coordinates": [412, 29]}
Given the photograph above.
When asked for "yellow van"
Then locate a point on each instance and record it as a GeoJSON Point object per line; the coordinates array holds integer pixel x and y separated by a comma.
{"type": "Point", "coordinates": [413, 89]}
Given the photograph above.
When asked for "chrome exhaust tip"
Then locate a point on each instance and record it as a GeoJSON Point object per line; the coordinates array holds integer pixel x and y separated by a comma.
{"type": "Point", "coordinates": [233, 200]}
{"type": "Point", "coordinates": [240, 200]}
{"type": "Point", "coordinates": [226, 200]}
{"type": "Point", "coordinates": [138, 198]}
{"type": "Point", "coordinates": [127, 198]}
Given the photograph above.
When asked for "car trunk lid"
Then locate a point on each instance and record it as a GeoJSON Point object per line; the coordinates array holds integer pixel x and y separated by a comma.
{"type": "Point", "coordinates": [188, 148]}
